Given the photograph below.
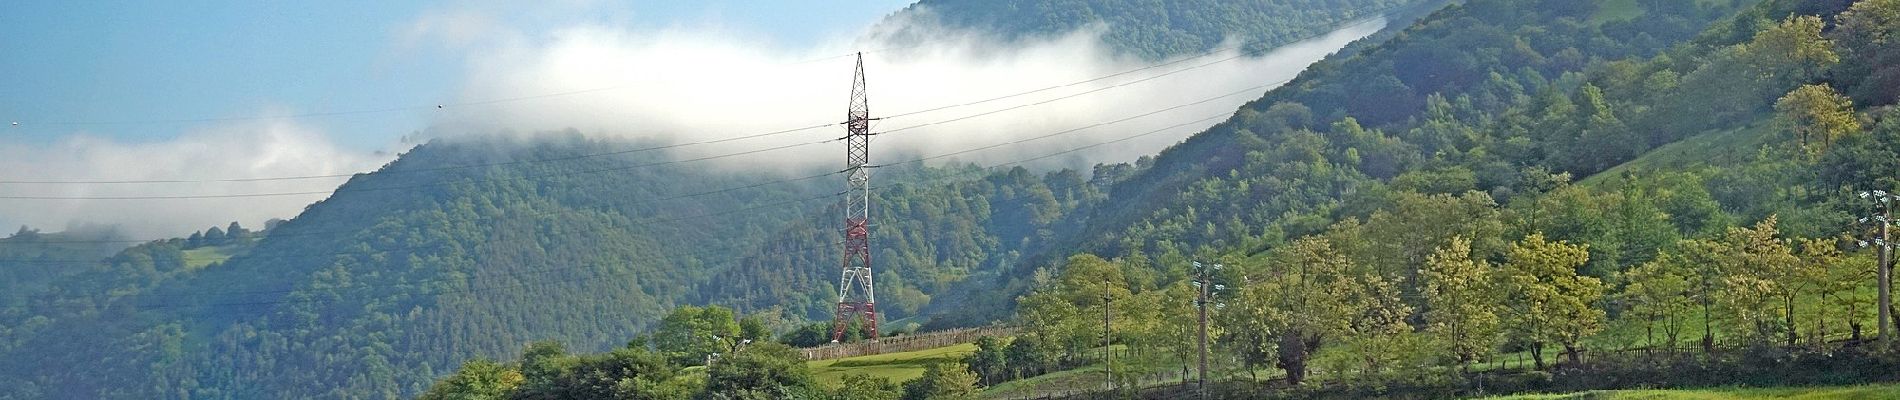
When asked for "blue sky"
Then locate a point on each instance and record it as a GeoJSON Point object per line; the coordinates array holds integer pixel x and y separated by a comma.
{"type": "Point", "coordinates": [116, 69]}
{"type": "Point", "coordinates": [186, 93]}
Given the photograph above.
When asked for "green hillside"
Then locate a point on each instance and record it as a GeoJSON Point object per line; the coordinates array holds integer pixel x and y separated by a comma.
{"type": "Point", "coordinates": [1407, 221]}
{"type": "Point", "coordinates": [1502, 179]}
{"type": "Point", "coordinates": [898, 367]}
{"type": "Point", "coordinates": [1488, 94]}
{"type": "Point", "coordinates": [459, 249]}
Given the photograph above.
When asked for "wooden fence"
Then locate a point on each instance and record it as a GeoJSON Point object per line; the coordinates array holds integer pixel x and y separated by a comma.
{"type": "Point", "coordinates": [905, 343]}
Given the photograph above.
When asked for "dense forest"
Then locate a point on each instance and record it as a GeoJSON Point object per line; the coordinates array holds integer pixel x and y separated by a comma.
{"type": "Point", "coordinates": [1620, 194]}
{"type": "Point", "coordinates": [470, 247]}
{"type": "Point", "coordinates": [1678, 206]}
{"type": "Point", "coordinates": [1557, 180]}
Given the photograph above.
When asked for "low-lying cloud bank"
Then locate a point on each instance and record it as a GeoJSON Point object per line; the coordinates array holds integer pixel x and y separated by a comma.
{"type": "Point", "coordinates": [251, 149]}
{"type": "Point", "coordinates": [691, 85]}
{"type": "Point", "coordinates": [676, 85]}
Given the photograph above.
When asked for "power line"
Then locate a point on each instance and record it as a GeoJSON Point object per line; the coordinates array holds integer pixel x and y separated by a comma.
{"type": "Point", "coordinates": [1242, 46]}
{"type": "Point", "coordinates": [326, 233]}
{"type": "Point", "coordinates": [1020, 140]}
{"type": "Point", "coordinates": [344, 190]}
{"type": "Point", "coordinates": [418, 186]}
{"type": "Point", "coordinates": [418, 107]}
{"type": "Point", "coordinates": [1126, 119]}
{"type": "Point", "coordinates": [989, 169]}
{"type": "Point", "coordinates": [431, 169]}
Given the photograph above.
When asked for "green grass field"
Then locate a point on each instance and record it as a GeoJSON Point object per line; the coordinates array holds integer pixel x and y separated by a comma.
{"type": "Point", "coordinates": [200, 257]}
{"type": "Point", "coordinates": [898, 367]}
{"type": "Point", "coordinates": [1869, 392]}
{"type": "Point", "coordinates": [1617, 10]}
{"type": "Point", "coordinates": [1710, 149]}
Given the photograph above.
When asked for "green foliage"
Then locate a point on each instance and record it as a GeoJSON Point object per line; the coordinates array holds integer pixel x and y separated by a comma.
{"type": "Point", "coordinates": [1870, 63]}
{"type": "Point", "coordinates": [1818, 116]}
{"type": "Point", "coordinates": [990, 363]}
{"type": "Point", "coordinates": [865, 387]}
{"type": "Point", "coordinates": [478, 379]}
{"type": "Point", "coordinates": [942, 381]}
{"type": "Point", "coordinates": [1548, 302]}
{"type": "Point", "coordinates": [761, 370]}
{"type": "Point", "coordinates": [1461, 301]}
{"type": "Point", "coordinates": [1340, 199]}
{"type": "Point", "coordinates": [1309, 292]}
{"type": "Point", "coordinates": [689, 334]}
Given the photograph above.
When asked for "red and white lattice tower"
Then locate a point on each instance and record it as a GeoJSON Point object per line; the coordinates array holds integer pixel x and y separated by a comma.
{"type": "Point", "coordinates": [856, 295]}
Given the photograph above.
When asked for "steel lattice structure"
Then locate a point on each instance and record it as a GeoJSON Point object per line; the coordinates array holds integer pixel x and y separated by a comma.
{"type": "Point", "coordinates": [857, 216]}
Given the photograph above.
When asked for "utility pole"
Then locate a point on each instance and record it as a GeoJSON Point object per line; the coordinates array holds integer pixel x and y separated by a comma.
{"type": "Point", "coordinates": [857, 215]}
{"type": "Point", "coordinates": [1884, 271]}
{"type": "Point", "coordinates": [1204, 283]}
{"type": "Point", "coordinates": [1202, 301]}
{"type": "Point", "coordinates": [1108, 336]}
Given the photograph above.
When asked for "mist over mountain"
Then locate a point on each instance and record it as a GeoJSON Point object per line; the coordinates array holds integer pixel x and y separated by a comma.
{"type": "Point", "coordinates": [565, 220]}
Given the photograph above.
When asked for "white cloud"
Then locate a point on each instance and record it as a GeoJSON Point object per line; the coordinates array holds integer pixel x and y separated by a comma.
{"type": "Point", "coordinates": [676, 84]}
{"type": "Point", "coordinates": [685, 84]}
{"type": "Point", "coordinates": [243, 149]}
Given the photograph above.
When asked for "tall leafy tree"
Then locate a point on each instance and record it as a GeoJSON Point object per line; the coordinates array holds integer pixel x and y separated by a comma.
{"type": "Point", "coordinates": [689, 334]}
{"type": "Point", "coordinates": [1660, 294]}
{"type": "Point", "coordinates": [1461, 302]}
{"type": "Point", "coordinates": [1549, 301]}
{"type": "Point", "coordinates": [1818, 116]}
{"type": "Point", "coordinates": [942, 381]}
{"type": "Point", "coordinates": [1763, 282]}
{"type": "Point", "coordinates": [760, 371]}
{"type": "Point", "coordinates": [479, 379]}
{"type": "Point", "coordinates": [1311, 293]}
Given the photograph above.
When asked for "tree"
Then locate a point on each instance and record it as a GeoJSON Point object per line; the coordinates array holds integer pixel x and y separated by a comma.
{"type": "Point", "coordinates": [689, 334]}
{"type": "Point", "coordinates": [1548, 301]}
{"type": "Point", "coordinates": [625, 373]}
{"type": "Point", "coordinates": [989, 362]}
{"type": "Point", "coordinates": [1707, 263]}
{"type": "Point", "coordinates": [1659, 292]}
{"type": "Point", "coordinates": [1792, 51]}
{"type": "Point", "coordinates": [1309, 292]}
{"type": "Point", "coordinates": [214, 237]}
{"type": "Point", "coordinates": [1461, 305]}
{"type": "Point", "coordinates": [760, 370]}
{"type": "Point", "coordinates": [942, 381]}
{"type": "Point", "coordinates": [807, 335]}
{"type": "Point", "coordinates": [753, 328]}
{"type": "Point", "coordinates": [1814, 272]}
{"type": "Point", "coordinates": [1817, 115]}
{"type": "Point", "coordinates": [235, 232]}
{"type": "Point", "coordinates": [866, 387]}
{"type": "Point", "coordinates": [1870, 64]}
{"type": "Point", "coordinates": [1762, 282]}
{"type": "Point", "coordinates": [1025, 357]}
{"type": "Point", "coordinates": [542, 365]}
{"type": "Point", "coordinates": [479, 379]}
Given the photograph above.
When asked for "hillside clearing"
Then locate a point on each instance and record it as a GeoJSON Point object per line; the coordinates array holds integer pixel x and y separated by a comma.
{"type": "Point", "coordinates": [898, 367]}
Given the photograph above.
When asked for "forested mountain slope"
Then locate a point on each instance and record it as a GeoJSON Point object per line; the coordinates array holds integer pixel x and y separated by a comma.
{"type": "Point", "coordinates": [407, 272]}
{"type": "Point", "coordinates": [1406, 222]}
{"type": "Point", "coordinates": [403, 272]}
{"type": "Point", "coordinates": [460, 249]}
{"type": "Point", "coordinates": [1485, 95]}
